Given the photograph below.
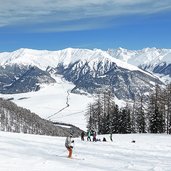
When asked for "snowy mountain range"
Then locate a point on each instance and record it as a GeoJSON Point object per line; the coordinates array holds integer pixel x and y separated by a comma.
{"type": "Point", "coordinates": [150, 59]}
{"type": "Point", "coordinates": [26, 70]}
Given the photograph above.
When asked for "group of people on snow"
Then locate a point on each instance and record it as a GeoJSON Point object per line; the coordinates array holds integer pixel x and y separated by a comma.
{"type": "Point", "coordinates": [89, 134]}
{"type": "Point", "coordinates": [93, 134]}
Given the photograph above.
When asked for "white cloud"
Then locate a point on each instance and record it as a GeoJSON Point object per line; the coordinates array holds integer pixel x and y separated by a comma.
{"type": "Point", "coordinates": [35, 12]}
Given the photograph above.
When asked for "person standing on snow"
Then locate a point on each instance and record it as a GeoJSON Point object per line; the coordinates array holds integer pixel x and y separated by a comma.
{"type": "Point", "coordinates": [89, 136]}
{"type": "Point", "coordinates": [82, 135]}
{"type": "Point", "coordinates": [111, 137]}
{"type": "Point", "coordinates": [69, 145]}
{"type": "Point", "coordinates": [94, 136]}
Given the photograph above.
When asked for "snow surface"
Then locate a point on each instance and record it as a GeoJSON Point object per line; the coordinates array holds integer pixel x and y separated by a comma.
{"type": "Point", "coordinates": [24, 152]}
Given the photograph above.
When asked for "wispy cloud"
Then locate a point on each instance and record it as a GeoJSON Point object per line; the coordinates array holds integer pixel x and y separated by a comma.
{"type": "Point", "coordinates": [83, 13]}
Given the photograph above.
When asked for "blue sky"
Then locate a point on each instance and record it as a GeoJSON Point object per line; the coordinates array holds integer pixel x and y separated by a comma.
{"type": "Point", "coordinates": [59, 24]}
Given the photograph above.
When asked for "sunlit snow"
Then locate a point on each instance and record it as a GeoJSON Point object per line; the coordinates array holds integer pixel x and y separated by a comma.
{"type": "Point", "coordinates": [24, 152]}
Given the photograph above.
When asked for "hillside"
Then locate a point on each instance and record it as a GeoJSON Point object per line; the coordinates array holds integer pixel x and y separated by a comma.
{"type": "Point", "coordinates": [20, 120]}
{"type": "Point", "coordinates": [50, 99]}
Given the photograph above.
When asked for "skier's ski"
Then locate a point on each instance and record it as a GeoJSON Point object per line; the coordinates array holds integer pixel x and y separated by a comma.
{"type": "Point", "coordinates": [77, 158]}
{"type": "Point", "coordinates": [73, 158]}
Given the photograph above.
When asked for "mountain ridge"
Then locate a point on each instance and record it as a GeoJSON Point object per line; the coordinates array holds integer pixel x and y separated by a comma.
{"type": "Point", "coordinates": [147, 55]}
{"type": "Point", "coordinates": [66, 56]}
{"type": "Point", "coordinates": [148, 59]}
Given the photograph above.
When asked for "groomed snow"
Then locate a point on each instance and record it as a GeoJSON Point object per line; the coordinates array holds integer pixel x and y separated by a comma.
{"type": "Point", "coordinates": [24, 152]}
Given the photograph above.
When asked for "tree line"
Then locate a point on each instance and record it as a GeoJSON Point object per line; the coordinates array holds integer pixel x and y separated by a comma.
{"type": "Point", "coordinates": [147, 114]}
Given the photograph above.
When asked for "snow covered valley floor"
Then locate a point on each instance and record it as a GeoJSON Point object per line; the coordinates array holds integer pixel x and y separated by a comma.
{"type": "Point", "coordinates": [23, 152]}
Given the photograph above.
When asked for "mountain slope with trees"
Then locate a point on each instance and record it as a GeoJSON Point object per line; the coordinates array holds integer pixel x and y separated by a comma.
{"type": "Point", "coordinates": [20, 120]}
{"type": "Point", "coordinates": [152, 115]}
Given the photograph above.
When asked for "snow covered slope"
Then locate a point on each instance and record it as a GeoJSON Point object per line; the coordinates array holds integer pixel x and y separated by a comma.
{"type": "Point", "coordinates": [145, 56]}
{"type": "Point", "coordinates": [55, 102]}
{"type": "Point", "coordinates": [24, 152]}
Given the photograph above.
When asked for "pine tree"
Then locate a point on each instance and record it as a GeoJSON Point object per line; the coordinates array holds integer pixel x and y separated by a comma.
{"type": "Point", "coordinates": [89, 116]}
{"type": "Point", "coordinates": [133, 118]}
{"type": "Point", "coordinates": [97, 114]}
{"type": "Point", "coordinates": [168, 108]}
{"type": "Point", "coordinates": [124, 121]}
{"type": "Point", "coordinates": [115, 119]}
{"type": "Point", "coordinates": [156, 119]}
{"type": "Point", "coordinates": [141, 120]}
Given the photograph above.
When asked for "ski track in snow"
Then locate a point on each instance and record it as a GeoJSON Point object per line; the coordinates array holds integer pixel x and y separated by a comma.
{"type": "Point", "coordinates": [23, 152]}
{"type": "Point", "coordinates": [67, 105]}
